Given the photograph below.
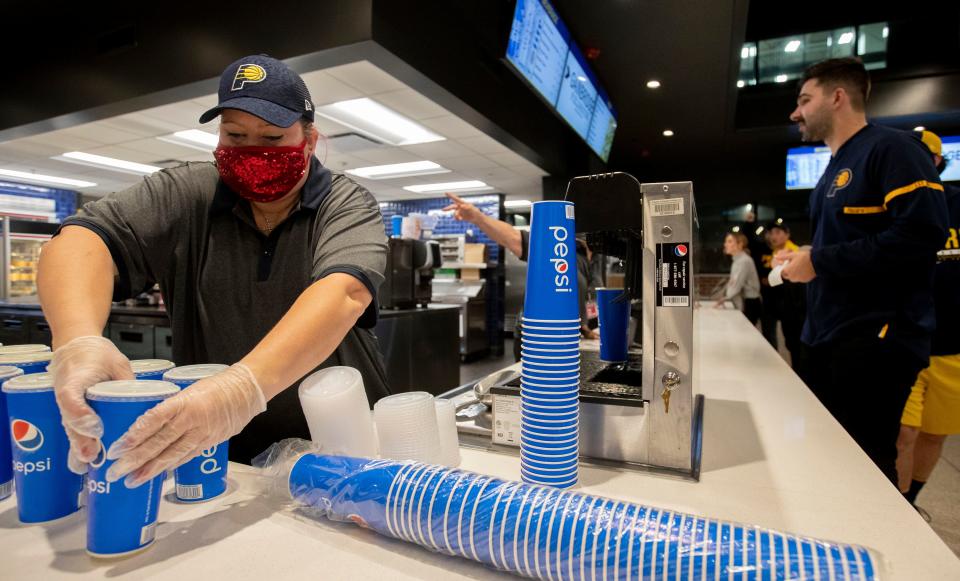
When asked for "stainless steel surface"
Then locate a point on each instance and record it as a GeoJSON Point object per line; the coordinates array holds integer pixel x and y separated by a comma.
{"type": "Point", "coordinates": [668, 431]}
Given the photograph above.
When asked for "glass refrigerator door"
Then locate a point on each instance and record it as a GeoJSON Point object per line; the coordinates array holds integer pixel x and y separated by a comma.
{"type": "Point", "coordinates": [24, 257]}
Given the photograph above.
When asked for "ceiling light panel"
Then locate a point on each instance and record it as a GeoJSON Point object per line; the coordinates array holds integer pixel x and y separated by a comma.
{"type": "Point", "coordinates": [398, 170]}
{"type": "Point", "coordinates": [367, 116]}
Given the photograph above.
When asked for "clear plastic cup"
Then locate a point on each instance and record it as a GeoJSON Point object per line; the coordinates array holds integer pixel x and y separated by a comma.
{"type": "Point", "coordinates": [447, 424]}
{"type": "Point", "coordinates": [407, 427]}
{"type": "Point", "coordinates": [335, 404]}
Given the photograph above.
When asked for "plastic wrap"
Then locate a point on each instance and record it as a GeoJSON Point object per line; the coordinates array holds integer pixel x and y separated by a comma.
{"type": "Point", "coordinates": [543, 532]}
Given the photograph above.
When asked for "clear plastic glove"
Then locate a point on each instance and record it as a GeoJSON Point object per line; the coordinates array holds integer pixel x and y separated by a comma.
{"type": "Point", "coordinates": [178, 429]}
{"type": "Point", "coordinates": [76, 366]}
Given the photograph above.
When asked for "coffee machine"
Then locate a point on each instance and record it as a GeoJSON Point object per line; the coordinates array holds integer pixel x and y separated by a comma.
{"type": "Point", "coordinates": [644, 413]}
{"type": "Point", "coordinates": [409, 273]}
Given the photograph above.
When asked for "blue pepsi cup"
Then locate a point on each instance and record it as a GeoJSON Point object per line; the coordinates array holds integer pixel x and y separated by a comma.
{"type": "Point", "coordinates": [121, 520]}
{"type": "Point", "coordinates": [151, 369]}
{"type": "Point", "coordinates": [6, 459]}
{"type": "Point", "coordinates": [203, 477]}
{"type": "Point", "coordinates": [46, 488]}
{"type": "Point", "coordinates": [396, 226]}
{"type": "Point", "coordinates": [552, 265]}
{"type": "Point", "coordinates": [31, 348]}
{"type": "Point", "coordinates": [30, 362]}
{"type": "Point", "coordinates": [613, 312]}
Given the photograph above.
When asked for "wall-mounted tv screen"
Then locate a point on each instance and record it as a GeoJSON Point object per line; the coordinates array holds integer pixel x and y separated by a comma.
{"type": "Point", "coordinates": [544, 54]}
{"type": "Point", "coordinates": [951, 152]}
{"type": "Point", "coordinates": [805, 165]}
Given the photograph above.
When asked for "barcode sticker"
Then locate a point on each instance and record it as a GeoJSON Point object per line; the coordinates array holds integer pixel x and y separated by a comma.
{"type": "Point", "coordinates": [569, 211]}
{"type": "Point", "coordinates": [189, 491]}
{"type": "Point", "coordinates": [147, 533]}
{"type": "Point", "coordinates": [670, 207]}
{"type": "Point", "coordinates": [676, 301]}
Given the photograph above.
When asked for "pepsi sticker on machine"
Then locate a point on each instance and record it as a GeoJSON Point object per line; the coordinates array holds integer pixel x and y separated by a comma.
{"type": "Point", "coordinates": [673, 274]}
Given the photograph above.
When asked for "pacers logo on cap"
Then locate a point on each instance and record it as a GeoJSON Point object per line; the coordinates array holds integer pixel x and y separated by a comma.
{"type": "Point", "coordinates": [26, 436]}
{"type": "Point", "coordinates": [249, 73]}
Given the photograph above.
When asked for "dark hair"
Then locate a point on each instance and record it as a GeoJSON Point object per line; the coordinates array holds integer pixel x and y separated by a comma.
{"type": "Point", "coordinates": [848, 73]}
{"type": "Point", "coordinates": [306, 124]}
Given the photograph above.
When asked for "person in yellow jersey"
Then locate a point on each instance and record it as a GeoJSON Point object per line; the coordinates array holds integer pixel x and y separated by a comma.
{"type": "Point", "coordinates": [785, 303]}
{"type": "Point", "coordinates": [933, 407]}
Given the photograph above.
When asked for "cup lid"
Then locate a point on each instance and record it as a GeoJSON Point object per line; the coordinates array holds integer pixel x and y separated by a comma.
{"type": "Point", "coordinates": [400, 400]}
{"type": "Point", "coordinates": [29, 382]}
{"type": "Point", "coordinates": [30, 357]}
{"type": "Point", "coordinates": [132, 389]}
{"type": "Point", "coordinates": [331, 381]}
{"type": "Point", "coordinates": [8, 371]}
{"type": "Point", "coordinates": [31, 348]}
{"type": "Point", "coordinates": [193, 372]}
{"type": "Point", "coordinates": [146, 365]}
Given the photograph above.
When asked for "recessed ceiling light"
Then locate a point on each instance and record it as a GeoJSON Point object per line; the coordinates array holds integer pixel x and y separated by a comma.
{"type": "Point", "coordinates": [845, 38]}
{"type": "Point", "coordinates": [104, 162]}
{"type": "Point", "coordinates": [781, 78]}
{"type": "Point", "coordinates": [369, 117]}
{"type": "Point", "coordinates": [36, 177]}
{"type": "Point", "coordinates": [919, 128]}
{"type": "Point", "coordinates": [517, 203]}
{"type": "Point", "coordinates": [653, 84]}
{"type": "Point", "coordinates": [465, 186]}
{"type": "Point", "coordinates": [194, 139]}
{"type": "Point", "coordinates": [741, 84]}
{"type": "Point", "coordinates": [398, 170]}
{"type": "Point", "coordinates": [668, 133]}
{"type": "Point", "coordinates": [792, 46]}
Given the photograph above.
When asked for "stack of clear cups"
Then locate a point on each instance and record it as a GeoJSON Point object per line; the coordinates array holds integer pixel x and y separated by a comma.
{"type": "Point", "coordinates": [449, 440]}
{"type": "Point", "coordinates": [550, 352]}
{"type": "Point", "coordinates": [335, 404]}
{"type": "Point", "coordinates": [407, 427]}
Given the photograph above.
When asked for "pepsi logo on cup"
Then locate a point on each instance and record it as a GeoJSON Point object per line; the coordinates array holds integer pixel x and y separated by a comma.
{"type": "Point", "coordinates": [26, 436]}
{"type": "Point", "coordinates": [561, 265]}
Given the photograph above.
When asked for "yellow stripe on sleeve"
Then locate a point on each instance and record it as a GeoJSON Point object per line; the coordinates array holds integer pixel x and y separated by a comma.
{"type": "Point", "coordinates": [907, 189]}
{"type": "Point", "coordinates": [864, 209]}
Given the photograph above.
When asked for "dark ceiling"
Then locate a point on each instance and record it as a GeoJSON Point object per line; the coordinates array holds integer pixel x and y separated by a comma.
{"type": "Point", "coordinates": [693, 49]}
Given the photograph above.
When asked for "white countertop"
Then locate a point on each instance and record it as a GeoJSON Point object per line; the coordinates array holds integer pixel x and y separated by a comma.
{"type": "Point", "coordinates": [772, 456]}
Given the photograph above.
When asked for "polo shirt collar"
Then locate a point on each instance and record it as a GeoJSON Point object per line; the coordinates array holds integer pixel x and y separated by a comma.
{"type": "Point", "coordinates": [315, 189]}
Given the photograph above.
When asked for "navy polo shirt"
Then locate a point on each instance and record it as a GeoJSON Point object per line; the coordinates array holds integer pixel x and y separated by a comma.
{"type": "Point", "coordinates": [878, 219]}
{"type": "Point", "coordinates": [946, 340]}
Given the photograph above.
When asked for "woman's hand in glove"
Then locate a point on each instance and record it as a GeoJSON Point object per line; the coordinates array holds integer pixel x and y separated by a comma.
{"type": "Point", "coordinates": [179, 428]}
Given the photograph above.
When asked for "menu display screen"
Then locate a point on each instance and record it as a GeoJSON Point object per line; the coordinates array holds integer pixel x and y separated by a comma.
{"type": "Point", "coordinates": [805, 165]}
{"type": "Point", "coordinates": [951, 152]}
{"type": "Point", "coordinates": [542, 51]}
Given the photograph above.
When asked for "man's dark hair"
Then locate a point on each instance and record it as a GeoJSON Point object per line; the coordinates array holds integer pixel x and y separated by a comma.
{"type": "Point", "coordinates": [847, 72]}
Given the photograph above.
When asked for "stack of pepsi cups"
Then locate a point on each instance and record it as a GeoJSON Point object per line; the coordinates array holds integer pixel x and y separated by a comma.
{"type": "Point", "coordinates": [550, 354]}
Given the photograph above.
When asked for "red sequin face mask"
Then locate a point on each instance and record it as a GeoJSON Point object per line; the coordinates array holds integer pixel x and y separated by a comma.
{"type": "Point", "coordinates": [261, 174]}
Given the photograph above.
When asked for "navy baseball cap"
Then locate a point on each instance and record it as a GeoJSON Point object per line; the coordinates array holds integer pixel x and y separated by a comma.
{"type": "Point", "coordinates": [265, 87]}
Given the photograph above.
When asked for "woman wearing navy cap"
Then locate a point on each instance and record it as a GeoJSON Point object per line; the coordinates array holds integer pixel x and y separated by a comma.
{"type": "Point", "coordinates": [267, 261]}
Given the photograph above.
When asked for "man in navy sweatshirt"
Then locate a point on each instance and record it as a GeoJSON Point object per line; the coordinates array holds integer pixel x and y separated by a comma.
{"type": "Point", "coordinates": [878, 219]}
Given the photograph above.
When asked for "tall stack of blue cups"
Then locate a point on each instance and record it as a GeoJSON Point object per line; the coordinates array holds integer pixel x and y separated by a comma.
{"type": "Point", "coordinates": [550, 352]}
{"type": "Point", "coordinates": [204, 477]}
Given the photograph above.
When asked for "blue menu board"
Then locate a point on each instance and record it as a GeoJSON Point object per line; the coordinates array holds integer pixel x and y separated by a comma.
{"type": "Point", "coordinates": [542, 51]}
{"type": "Point", "coordinates": [951, 152]}
{"type": "Point", "coordinates": [805, 165]}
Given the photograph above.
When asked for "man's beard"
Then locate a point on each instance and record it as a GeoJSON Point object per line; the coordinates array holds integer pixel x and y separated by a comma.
{"type": "Point", "coordinates": [815, 129]}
